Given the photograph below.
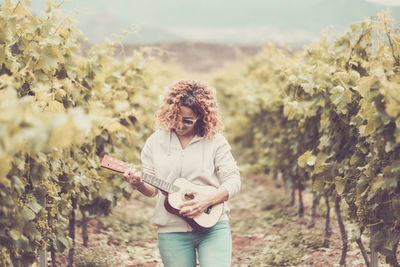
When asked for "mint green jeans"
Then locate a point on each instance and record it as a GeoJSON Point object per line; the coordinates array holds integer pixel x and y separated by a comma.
{"type": "Point", "coordinates": [214, 247]}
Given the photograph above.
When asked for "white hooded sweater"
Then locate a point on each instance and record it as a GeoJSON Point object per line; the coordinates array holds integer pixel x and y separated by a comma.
{"type": "Point", "coordinates": [203, 162]}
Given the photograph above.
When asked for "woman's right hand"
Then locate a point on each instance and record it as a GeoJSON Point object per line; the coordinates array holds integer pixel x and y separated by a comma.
{"type": "Point", "coordinates": [131, 175]}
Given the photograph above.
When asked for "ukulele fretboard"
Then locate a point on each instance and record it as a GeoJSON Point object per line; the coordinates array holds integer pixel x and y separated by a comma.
{"type": "Point", "coordinates": [120, 166]}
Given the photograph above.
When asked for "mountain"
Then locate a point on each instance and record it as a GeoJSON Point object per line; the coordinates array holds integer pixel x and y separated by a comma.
{"type": "Point", "coordinates": [292, 22]}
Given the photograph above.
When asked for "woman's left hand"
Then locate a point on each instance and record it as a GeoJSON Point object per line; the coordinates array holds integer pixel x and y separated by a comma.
{"type": "Point", "coordinates": [196, 206]}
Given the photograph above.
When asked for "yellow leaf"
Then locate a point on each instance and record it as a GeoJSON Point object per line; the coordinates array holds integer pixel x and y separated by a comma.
{"type": "Point", "coordinates": [63, 135]}
{"type": "Point", "coordinates": [365, 84]}
{"type": "Point", "coordinates": [21, 10]}
{"type": "Point", "coordinates": [392, 108]}
{"type": "Point", "coordinates": [103, 186]}
{"type": "Point", "coordinates": [54, 107]}
{"type": "Point", "coordinates": [354, 158]}
{"type": "Point", "coordinates": [49, 58]}
{"type": "Point", "coordinates": [42, 92]}
{"type": "Point", "coordinates": [2, 49]}
{"type": "Point", "coordinates": [5, 167]}
{"type": "Point", "coordinates": [114, 126]}
{"type": "Point", "coordinates": [9, 8]}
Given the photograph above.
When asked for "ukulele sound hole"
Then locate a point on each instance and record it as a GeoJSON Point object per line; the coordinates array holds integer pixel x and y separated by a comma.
{"type": "Point", "coordinates": [189, 196]}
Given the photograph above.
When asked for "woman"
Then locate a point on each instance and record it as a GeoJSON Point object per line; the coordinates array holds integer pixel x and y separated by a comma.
{"type": "Point", "coordinates": [189, 144]}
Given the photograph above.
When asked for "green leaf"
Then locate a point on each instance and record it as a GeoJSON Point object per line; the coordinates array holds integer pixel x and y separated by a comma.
{"type": "Point", "coordinates": [396, 207]}
{"type": "Point", "coordinates": [379, 183]}
{"type": "Point", "coordinates": [83, 180]}
{"type": "Point", "coordinates": [18, 185]}
{"type": "Point", "coordinates": [63, 241]}
{"type": "Point", "coordinates": [311, 160]}
{"type": "Point", "coordinates": [319, 165]}
{"type": "Point", "coordinates": [340, 184]}
{"type": "Point", "coordinates": [15, 234]}
{"type": "Point", "coordinates": [23, 243]}
{"type": "Point", "coordinates": [378, 239]}
{"type": "Point", "coordinates": [318, 185]}
{"type": "Point", "coordinates": [355, 233]}
{"type": "Point", "coordinates": [28, 214]}
{"type": "Point", "coordinates": [306, 158]}
{"type": "Point", "coordinates": [30, 230]}
{"type": "Point", "coordinates": [35, 207]}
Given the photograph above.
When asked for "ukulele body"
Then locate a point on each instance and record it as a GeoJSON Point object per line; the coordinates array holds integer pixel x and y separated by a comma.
{"type": "Point", "coordinates": [176, 194]}
{"type": "Point", "coordinates": [202, 222]}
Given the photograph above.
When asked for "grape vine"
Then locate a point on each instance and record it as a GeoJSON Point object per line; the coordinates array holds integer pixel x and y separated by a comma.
{"type": "Point", "coordinates": [328, 117]}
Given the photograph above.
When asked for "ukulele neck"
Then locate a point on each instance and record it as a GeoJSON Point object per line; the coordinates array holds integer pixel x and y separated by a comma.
{"type": "Point", "coordinates": [158, 183]}
{"type": "Point", "coordinates": [120, 167]}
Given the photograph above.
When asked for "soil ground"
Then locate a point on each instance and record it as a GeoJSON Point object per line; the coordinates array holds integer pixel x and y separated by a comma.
{"type": "Point", "coordinates": [266, 231]}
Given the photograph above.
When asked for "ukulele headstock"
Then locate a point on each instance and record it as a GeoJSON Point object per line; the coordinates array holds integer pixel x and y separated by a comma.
{"type": "Point", "coordinates": [114, 164]}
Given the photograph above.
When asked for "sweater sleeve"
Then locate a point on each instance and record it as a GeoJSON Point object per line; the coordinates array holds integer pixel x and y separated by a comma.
{"type": "Point", "coordinates": [147, 161]}
{"type": "Point", "coordinates": [226, 168]}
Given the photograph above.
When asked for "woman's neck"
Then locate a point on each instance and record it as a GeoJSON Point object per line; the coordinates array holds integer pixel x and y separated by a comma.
{"type": "Point", "coordinates": [185, 139]}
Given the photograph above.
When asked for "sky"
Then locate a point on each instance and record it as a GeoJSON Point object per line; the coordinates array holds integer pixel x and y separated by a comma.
{"type": "Point", "coordinates": [219, 21]}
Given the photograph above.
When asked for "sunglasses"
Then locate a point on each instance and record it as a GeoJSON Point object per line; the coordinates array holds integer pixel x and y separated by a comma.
{"type": "Point", "coordinates": [188, 122]}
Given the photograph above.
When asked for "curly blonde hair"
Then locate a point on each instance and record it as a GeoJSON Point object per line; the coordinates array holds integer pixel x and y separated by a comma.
{"type": "Point", "coordinates": [197, 96]}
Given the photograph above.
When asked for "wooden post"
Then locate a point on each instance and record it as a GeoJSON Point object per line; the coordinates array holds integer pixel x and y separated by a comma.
{"type": "Point", "coordinates": [374, 258]}
{"type": "Point", "coordinates": [43, 257]}
{"type": "Point", "coordinates": [374, 253]}
{"type": "Point", "coordinates": [43, 252]}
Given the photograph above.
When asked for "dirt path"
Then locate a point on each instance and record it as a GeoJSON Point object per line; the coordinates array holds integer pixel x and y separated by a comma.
{"type": "Point", "coordinates": [266, 231]}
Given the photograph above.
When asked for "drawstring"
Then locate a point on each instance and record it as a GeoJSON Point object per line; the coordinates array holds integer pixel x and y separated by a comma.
{"type": "Point", "coordinates": [203, 157]}
{"type": "Point", "coordinates": [203, 154]}
{"type": "Point", "coordinates": [169, 143]}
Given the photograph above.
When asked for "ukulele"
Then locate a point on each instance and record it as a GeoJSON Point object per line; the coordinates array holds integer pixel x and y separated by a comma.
{"type": "Point", "coordinates": [176, 194]}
